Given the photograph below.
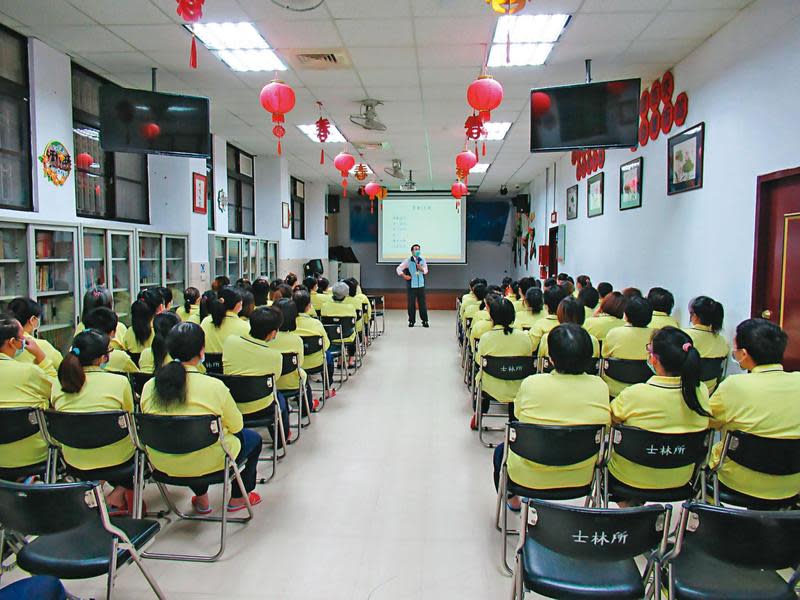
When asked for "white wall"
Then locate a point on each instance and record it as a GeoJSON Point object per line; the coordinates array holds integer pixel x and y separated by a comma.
{"type": "Point", "coordinates": [744, 83]}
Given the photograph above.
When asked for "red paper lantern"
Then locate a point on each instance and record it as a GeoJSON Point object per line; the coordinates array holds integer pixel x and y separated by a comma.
{"type": "Point", "coordinates": [191, 11]}
{"type": "Point", "coordinates": [655, 95]}
{"type": "Point", "coordinates": [84, 161]}
{"type": "Point", "coordinates": [644, 103]}
{"type": "Point", "coordinates": [474, 127]}
{"type": "Point", "coordinates": [655, 125]}
{"type": "Point", "coordinates": [459, 190]}
{"type": "Point", "coordinates": [150, 131]}
{"type": "Point", "coordinates": [667, 117]}
{"type": "Point", "coordinates": [372, 189]}
{"type": "Point", "coordinates": [540, 103]}
{"type": "Point", "coordinates": [681, 108]}
{"type": "Point", "coordinates": [484, 95]}
{"type": "Point", "coordinates": [277, 98]}
{"type": "Point", "coordinates": [644, 131]}
{"type": "Point", "coordinates": [466, 160]}
{"type": "Point", "coordinates": [667, 87]}
{"type": "Point", "coordinates": [343, 163]}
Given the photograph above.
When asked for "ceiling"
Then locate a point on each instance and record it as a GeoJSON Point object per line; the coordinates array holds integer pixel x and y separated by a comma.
{"type": "Point", "coordinates": [418, 56]}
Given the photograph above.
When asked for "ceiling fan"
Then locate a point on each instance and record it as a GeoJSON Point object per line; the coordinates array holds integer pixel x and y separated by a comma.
{"type": "Point", "coordinates": [298, 5]}
{"type": "Point", "coordinates": [368, 117]}
{"type": "Point", "coordinates": [409, 185]}
{"type": "Point", "coordinates": [396, 170]}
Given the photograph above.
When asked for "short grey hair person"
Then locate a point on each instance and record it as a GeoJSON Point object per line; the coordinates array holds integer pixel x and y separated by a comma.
{"type": "Point", "coordinates": [340, 291]}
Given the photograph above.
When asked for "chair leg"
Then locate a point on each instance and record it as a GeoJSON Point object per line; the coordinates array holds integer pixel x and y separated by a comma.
{"type": "Point", "coordinates": [112, 569]}
{"type": "Point", "coordinates": [138, 560]}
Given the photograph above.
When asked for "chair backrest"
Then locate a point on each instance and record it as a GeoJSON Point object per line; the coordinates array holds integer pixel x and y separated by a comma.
{"type": "Point", "coordinates": [135, 356]}
{"type": "Point", "coordinates": [765, 455]}
{"type": "Point", "coordinates": [41, 509]}
{"type": "Point", "coordinates": [468, 323]}
{"type": "Point", "coordinates": [247, 388]}
{"type": "Point", "coordinates": [660, 450]}
{"type": "Point", "coordinates": [555, 445]}
{"type": "Point", "coordinates": [213, 362]}
{"type": "Point", "coordinates": [312, 344]}
{"type": "Point", "coordinates": [334, 333]}
{"type": "Point", "coordinates": [138, 380]}
{"type": "Point", "coordinates": [508, 368]}
{"type": "Point", "coordinates": [750, 538]}
{"type": "Point", "coordinates": [596, 534]}
{"type": "Point", "coordinates": [87, 430]}
{"type": "Point", "coordinates": [627, 371]}
{"type": "Point", "coordinates": [592, 367]}
{"type": "Point", "coordinates": [348, 325]}
{"type": "Point", "coordinates": [359, 314]}
{"type": "Point", "coordinates": [178, 434]}
{"type": "Point", "coordinates": [18, 423]}
{"type": "Point", "coordinates": [289, 364]}
{"type": "Point", "coordinates": [711, 368]}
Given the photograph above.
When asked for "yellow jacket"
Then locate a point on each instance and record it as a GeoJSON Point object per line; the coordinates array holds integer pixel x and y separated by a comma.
{"type": "Point", "coordinates": [340, 309]}
{"type": "Point", "coordinates": [287, 342]}
{"type": "Point", "coordinates": [628, 343]}
{"type": "Point", "coordinates": [709, 345]}
{"type": "Point", "coordinates": [600, 325]}
{"type": "Point", "coordinates": [216, 336]}
{"type": "Point", "coordinates": [245, 355]}
{"type": "Point", "coordinates": [496, 342]}
{"type": "Point", "coordinates": [309, 326]}
{"type": "Point", "coordinates": [193, 316]}
{"type": "Point", "coordinates": [23, 384]}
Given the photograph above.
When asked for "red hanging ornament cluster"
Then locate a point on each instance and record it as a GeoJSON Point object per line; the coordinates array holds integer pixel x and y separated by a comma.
{"type": "Point", "coordinates": [360, 172]}
{"type": "Point", "coordinates": [191, 11]}
{"type": "Point", "coordinates": [658, 112]}
{"type": "Point", "coordinates": [587, 162]}
{"type": "Point", "coordinates": [343, 163]}
{"type": "Point", "coordinates": [323, 126]}
{"type": "Point", "coordinates": [277, 98]}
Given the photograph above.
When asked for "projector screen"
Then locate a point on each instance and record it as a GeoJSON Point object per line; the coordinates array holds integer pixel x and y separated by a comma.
{"type": "Point", "coordinates": [430, 220]}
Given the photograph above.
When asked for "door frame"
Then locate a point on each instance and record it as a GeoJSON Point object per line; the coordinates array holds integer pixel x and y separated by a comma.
{"type": "Point", "coordinates": [761, 241]}
{"type": "Point", "coordinates": [552, 240]}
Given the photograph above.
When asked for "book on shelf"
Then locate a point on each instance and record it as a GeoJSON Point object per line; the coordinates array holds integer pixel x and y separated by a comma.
{"type": "Point", "coordinates": [44, 244]}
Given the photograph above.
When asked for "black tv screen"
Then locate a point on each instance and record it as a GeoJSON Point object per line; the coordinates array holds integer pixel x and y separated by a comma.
{"type": "Point", "coordinates": [153, 123]}
{"type": "Point", "coordinates": [592, 115]}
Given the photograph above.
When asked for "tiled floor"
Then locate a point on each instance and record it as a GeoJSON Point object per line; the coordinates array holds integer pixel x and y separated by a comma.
{"type": "Point", "coordinates": [387, 496]}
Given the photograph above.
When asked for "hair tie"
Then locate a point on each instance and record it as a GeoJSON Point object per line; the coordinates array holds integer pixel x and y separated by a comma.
{"type": "Point", "coordinates": [686, 346]}
{"type": "Point", "coordinates": [177, 360]}
{"type": "Point", "coordinates": [75, 351]}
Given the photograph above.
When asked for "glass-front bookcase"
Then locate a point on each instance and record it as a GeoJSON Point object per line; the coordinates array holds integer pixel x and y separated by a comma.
{"type": "Point", "coordinates": [234, 259]}
{"type": "Point", "coordinates": [272, 261]}
{"type": "Point", "coordinates": [13, 262]}
{"type": "Point", "coordinates": [237, 257]}
{"type": "Point", "coordinates": [106, 261]}
{"type": "Point", "coordinates": [175, 266]}
{"type": "Point", "coordinates": [250, 259]}
{"type": "Point", "coordinates": [150, 271]}
{"type": "Point", "coordinates": [122, 273]}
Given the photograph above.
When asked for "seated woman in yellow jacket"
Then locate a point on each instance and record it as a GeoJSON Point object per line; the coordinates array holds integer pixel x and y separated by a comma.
{"type": "Point", "coordinates": [589, 297]}
{"type": "Point", "coordinates": [29, 315]}
{"type": "Point", "coordinates": [532, 309]}
{"type": "Point", "coordinates": [482, 321]}
{"type": "Point", "coordinates": [224, 319]}
{"type": "Point", "coordinates": [101, 297]}
{"type": "Point", "coordinates": [260, 291]}
{"type": "Point", "coordinates": [22, 384]}
{"type": "Point", "coordinates": [339, 307]}
{"type": "Point", "coordinates": [468, 311]}
{"type": "Point", "coordinates": [156, 355]}
{"type": "Point", "coordinates": [674, 400]}
{"type": "Point", "coordinates": [662, 302]}
{"type": "Point", "coordinates": [190, 309]}
{"type": "Point", "coordinates": [358, 300]}
{"type": "Point", "coordinates": [84, 385]}
{"type": "Point", "coordinates": [500, 340]}
{"type": "Point", "coordinates": [307, 326]}
{"type": "Point", "coordinates": [612, 311]}
{"type": "Point", "coordinates": [248, 305]}
{"type": "Point", "coordinates": [570, 310]}
{"type": "Point", "coordinates": [630, 341]}
{"type": "Point", "coordinates": [552, 296]}
{"type": "Point", "coordinates": [764, 402]}
{"type": "Point", "coordinates": [139, 336]}
{"type": "Point", "coordinates": [287, 341]}
{"type": "Point", "coordinates": [251, 355]}
{"type": "Point", "coordinates": [180, 389]}
{"type": "Point", "coordinates": [318, 293]}
{"type": "Point", "coordinates": [105, 321]}
{"type": "Point", "coordinates": [566, 396]}
{"type": "Point", "coordinates": [706, 316]}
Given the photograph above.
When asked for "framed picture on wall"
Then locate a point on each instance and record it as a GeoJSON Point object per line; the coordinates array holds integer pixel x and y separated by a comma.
{"type": "Point", "coordinates": [630, 184]}
{"type": "Point", "coordinates": [594, 196]}
{"type": "Point", "coordinates": [285, 216]}
{"type": "Point", "coordinates": [199, 193]}
{"type": "Point", "coordinates": [572, 202]}
{"type": "Point", "coordinates": [685, 160]}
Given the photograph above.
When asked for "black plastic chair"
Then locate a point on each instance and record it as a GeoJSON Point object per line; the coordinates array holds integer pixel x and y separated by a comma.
{"type": "Point", "coordinates": [17, 424]}
{"type": "Point", "coordinates": [627, 371]}
{"type": "Point", "coordinates": [712, 368]}
{"type": "Point", "coordinates": [553, 446]}
{"type": "Point", "coordinates": [135, 356]}
{"type": "Point", "coordinates": [213, 363]}
{"type": "Point", "coordinates": [657, 451]}
{"type": "Point", "coordinates": [338, 350]}
{"type": "Point", "coordinates": [289, 366]}
{"type": "Point", "coordinates": [348, 325]}
{"type": "Point", "coordinates": [183, 435]}
{"type": "Point", "coordinates": [313, 344]}
{"type": "Point", "coordinates": [546, 366]}
{"type": "Point", "coordinates": [770, 456]}
{"type": "Point", "coordinates": [379, 310]}
{"type": "Point", "coordinates": [734, 554]}
{"type": "Point", "coordinates": [138, 380]}
{"type": "Point", "coordinates": [507, 368]}
{"type": "Point", "coordinates": [76, 538]}
{"type": "Point", "coordinates": [572, 552]}
{"type": "Point", "coordinates": [248, 388]}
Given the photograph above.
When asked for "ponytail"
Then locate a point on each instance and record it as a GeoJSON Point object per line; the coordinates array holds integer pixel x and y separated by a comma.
{"type": "Point", "coordinates": [162, 325]}
{"type": "Point", "coordinates": [206, 300]}
{"type": "Point", "coordinates": [86, 348]}
{"type": "Point", "coordinates": [708, 311]}
{"type": "Point", "coordinates": [502, 312]}
{"type": "Point", "coordinates": [184, 343]}
{"type": "Point", "coordinates": [228, 299]}
{"type": "Point", "coordinates": [142, 320]}
{"type": "Point", "coordinates": [679, 357]}
{"type": "Point", "coordinates": [170, 384]}
{"type": "Point", "coordinates": [190, 296]}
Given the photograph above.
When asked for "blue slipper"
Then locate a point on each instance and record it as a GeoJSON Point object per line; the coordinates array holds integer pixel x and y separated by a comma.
{"type": "Point", "coordinates": [513, 508]}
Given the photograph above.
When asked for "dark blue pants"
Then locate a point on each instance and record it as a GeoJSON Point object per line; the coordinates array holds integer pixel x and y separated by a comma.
{"type": "Point", "coordinates": [251, 448]}
{"type": "Point", "coordinates": [498, 463]}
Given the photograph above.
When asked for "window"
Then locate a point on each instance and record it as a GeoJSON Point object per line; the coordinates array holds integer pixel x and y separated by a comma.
{"type": "Point", "coordinates": [15, 145]}
{"type": "Point", "coordinates": [108, 185]}
{"type": "Point", "coordinates": [241, 191]}
{"type": "Point", "coordinates": [298, 195]}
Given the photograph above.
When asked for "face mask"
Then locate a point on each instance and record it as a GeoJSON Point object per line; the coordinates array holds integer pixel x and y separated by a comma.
{"type": "Point", "coordinates": [652, 368]}
{"type": "Point", "coordinates": [21, 349]}
{"type": "Point", "coordinates": [417, 253]}
{"type": "Point", "coordinates": [203, 359]}
{"type": "Point", "coordinates": [104, 365]}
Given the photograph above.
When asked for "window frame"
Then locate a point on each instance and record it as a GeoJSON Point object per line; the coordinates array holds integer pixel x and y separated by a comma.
{"type": "Point", "coordinates": [21, 94]}
{"type": "Point", "coordinates": [298, 205]}
{"type": "Point", "coordinates": [239, 181]}
{"type": "Point", "coordinates": [88, 120]}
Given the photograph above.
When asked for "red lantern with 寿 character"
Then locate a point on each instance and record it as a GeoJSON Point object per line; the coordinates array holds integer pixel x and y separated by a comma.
{"type": "Point", "coordinates": [277, 98]}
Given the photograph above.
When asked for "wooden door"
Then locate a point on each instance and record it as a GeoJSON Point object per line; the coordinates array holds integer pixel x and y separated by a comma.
{"type": "Point", "coordinates": [552, 267]}
{"type": "Point", "coordinates": [776, 268]}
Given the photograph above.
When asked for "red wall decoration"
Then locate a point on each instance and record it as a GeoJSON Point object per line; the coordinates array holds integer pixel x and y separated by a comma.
{"type": "Point", "coordinates": [657, 110]}
{"type": "Point", "coordinates": [587, 162]}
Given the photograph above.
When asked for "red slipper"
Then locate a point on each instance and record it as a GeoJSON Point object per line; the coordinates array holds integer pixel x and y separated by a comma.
{"type": "Point", "coordinates": [252, 496]}
{"type": "Point", "coordinates": [473, 423]}
{"type": "Point", "coordinates": [129, 502]}
{"type": "Point", "coordinates": [200, 511]}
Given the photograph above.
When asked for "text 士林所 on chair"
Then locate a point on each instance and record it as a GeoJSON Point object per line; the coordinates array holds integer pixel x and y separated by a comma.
{"type": "Point", "coordinates": [505, 368]}
{"type": "Point", "coordinates": [213, 363]}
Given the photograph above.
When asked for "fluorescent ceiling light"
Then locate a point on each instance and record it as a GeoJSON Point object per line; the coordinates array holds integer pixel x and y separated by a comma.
{"type": "Point", "coordinates": [479, 168]}
{"type": "Point", "coordinates": [334, 135]}
{"type": "Point", "coordinates": [518, 55]}
{"type": "Point", "coordinates": [525, 29]}
{"type": "Point", "coordinates": [238, 45]}
{"type": "Point", "coordinates": [496, 130]}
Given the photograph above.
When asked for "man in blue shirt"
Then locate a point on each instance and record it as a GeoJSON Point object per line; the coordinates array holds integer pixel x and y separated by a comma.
{"type": "Point", "coordinates": [413, 270]}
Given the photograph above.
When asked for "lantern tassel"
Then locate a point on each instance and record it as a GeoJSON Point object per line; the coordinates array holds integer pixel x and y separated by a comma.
{"type": "Point", "coordinates": [280, 150]}
{"type": "Point", "coordinates": [322, 157]}
{"type": "Point", "coordinates": [193, 53]}
{"type": "Point", "coordinates": [508, 48]}
{"type": "Point", "coordinates": [483, 150]}
{"type": "Point", "coordinates": [476, 148]}
{"type": "Point", "coordinates": [371, 206]}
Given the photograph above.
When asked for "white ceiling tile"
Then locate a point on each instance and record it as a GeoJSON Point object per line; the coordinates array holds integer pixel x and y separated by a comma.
{"type": "Point", "coordinates": [154, 37]}
{"type": "Point", "coordinates": [461, 76]}
{"type": "Point", "coordinates": [612, 6]}
{"type": "Point", "coordinates": [258, 79]}
{"type": "Point", "coordinates": [261, 9]}
{"type": "Point", "coordinates": [658, 51]}
{"type": "Point", "coordinates": [445, 8]}
{"type": "Point", "coordinates": [57, 12]}
{"type": "Point", "coordinates": [695, 5]}
{"type": "Point", "coordinates": [687, 24]}
{"type": "Point", "coordinates": [122, 12]}
{"type": "Point", "coordinates": [600, 50]}
{"type": "Point", "coordinates": [82, 38]}
{"type": "Point", "coordinates": [384, 58]}
{"type": "Point", "coordinates": [389, 77]}
{"type": "Point", "coordinates": [214, 11]}
{"type": "Point", "coordinates": [119, 61]}
{"type": "Point", "coordinates": [471, 55]}
{"type": "Point", "coordinates": [454, 30]}
{"type": "Point", "coordinates": [585, 28]}
{"type": "Point", "coordinates": [365, 32]}
{"type": "Point", "coordinates": [339, 78]}
{"type": "Point", "coordinates": [553, 7]}
{"type": "Point", "coordinates": [381, 9]}
{"type": "Point", "coordinates": [300, 34]}
{"type": "Point", "coordinates": [406, 92]}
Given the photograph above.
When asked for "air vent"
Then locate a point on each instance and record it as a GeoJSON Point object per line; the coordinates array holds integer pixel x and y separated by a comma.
{"type": "Point", "coordinates": [371, 145]}
{"type": "Point", "coordinates": [321, 60]}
